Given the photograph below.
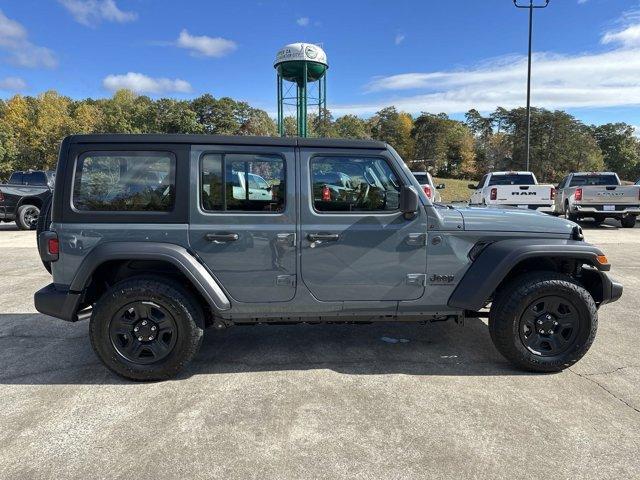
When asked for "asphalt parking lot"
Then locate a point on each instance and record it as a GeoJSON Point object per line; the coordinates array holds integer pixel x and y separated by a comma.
{"type": "Point", "coordinates": [318, 401]}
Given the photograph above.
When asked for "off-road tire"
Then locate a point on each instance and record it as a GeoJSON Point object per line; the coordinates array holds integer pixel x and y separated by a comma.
{"type": "Point", "coordinates": [44, 220]}
{"type": "Point", "coordinates": [509, 306]}
{"type": "Point", "coordinates": [628, 222]}
{"type": "Point", "coordinates": [186, 313]}
{"type": "Point", "coordinates": [22, 216]}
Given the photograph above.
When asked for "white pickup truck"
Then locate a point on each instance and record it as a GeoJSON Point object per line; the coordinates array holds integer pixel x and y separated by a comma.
{"type": "Point", "coordinates": [598, 195]}
{"type": "Point", "coordinates": [513, 189]}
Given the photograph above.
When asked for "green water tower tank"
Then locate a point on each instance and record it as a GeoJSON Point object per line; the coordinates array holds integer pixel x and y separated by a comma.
{"type": "Point", "coordinates": [301, 64]}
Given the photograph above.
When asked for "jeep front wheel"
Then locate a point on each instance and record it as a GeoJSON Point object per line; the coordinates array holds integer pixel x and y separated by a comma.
{"type": "Point", "coordinates": [146, 328]}
{"type": "Point", "coordinates": [543, 322]}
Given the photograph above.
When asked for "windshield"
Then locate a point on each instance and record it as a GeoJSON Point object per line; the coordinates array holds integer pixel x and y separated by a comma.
{"type": "Point", "coordinates": [512, 179]}
{"type": "Point", "coordinates": [593, 180]}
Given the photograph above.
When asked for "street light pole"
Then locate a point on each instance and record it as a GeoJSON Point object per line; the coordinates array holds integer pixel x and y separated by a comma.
{"type": "Point", "coordinates": [531, 7]}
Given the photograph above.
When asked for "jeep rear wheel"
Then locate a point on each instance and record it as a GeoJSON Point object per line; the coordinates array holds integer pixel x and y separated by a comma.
{"type": "Point", "coordinates": [146, 328]}
{"type": "Point", "coordinates": [27, 217]}
{"type": "Point", "coordinates": [543, 322]}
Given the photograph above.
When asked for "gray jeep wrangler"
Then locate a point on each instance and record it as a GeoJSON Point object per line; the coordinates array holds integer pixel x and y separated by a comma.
{"type": "Point", "coordinates": [157, 237]}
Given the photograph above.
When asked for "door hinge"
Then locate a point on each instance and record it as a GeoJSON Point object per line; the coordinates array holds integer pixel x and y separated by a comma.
{"type": "Point", "coordinates": [286, 280]}
{"type": "Point", "coordinates": [418, 279]}
{"type": "Point", "coordinates": [417, 239]}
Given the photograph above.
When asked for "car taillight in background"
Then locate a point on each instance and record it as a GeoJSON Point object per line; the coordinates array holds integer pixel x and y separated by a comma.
{"type": "Point", "coordinates": [427, 191]}
{"type": "Point", "coordinates": [553, 194]}
{"type": "Point", "coordinates": [578, 195]}
{"type": "Point", "coordinates": [494, 194]}
{"type": "Point", "coordinates": [1, 196]}
{"type": "Point", "coordinates": [326, 194]}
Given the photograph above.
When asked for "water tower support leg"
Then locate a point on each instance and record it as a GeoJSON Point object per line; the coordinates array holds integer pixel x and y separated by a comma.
{"type": "Point", "coordinates": [280, 108]}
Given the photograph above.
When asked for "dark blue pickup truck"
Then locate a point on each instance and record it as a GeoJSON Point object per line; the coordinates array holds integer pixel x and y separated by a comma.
{"type": "Point", "coordinates": [22, 198]}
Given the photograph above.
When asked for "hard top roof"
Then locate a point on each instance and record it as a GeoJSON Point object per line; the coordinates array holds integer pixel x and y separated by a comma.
{"type": "Point", "coordinates": [225, 140]}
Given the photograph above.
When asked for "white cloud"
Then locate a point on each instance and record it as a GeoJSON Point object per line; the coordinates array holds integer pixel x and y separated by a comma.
{"type": "Point", "coordinates": [628, 37]}
{"type": "Point", "coordinates": [399, 38]}
{"type": "Point", "coordinates": [588, 80]}
{"type": "Point", "coordinates": [303, 21]}
{"type": "Point", "coordinates": [580, 2]}
{"type": "Point", "coordinates": [141, 83]}
{"type": "Point", "coordinates": [92, 12]}
{"type": "Point", "coordinates": [12, 84]}
{"type": "Point", "coordinates": [637, 129]}
{"type": "Point", "coordinates": [205, 46]}
{"type": "Point", "coordinates": [14, 40]}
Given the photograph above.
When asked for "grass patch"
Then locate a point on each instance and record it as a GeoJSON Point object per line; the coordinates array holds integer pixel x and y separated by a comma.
{"type": "Point", "coordinates": [456, 190]}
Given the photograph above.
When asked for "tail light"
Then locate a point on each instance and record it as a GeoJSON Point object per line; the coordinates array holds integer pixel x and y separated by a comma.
{"type": "Point", "coordinates": [494, 194]}
{"type": "Point", "coordinates": [326, 194]}
{"type": "Point", "coordinates": [1, 196]}
{"type": "Point", "coordinates": [578, 195]}
{"type": "Point", "coordinates": [49, 246]}
{"type": "Point", "coordinates": [53, 246]}
{"type": "Point", "coordinates": [427, 191]}
{"type": "Point", "coordinates": [553, 194]}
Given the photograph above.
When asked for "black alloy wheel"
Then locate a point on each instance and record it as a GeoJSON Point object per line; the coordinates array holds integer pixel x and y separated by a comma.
{"type": "Point", "coordinates": [143, 332]}
{"type": "Point", "coordinates": [549, 326]}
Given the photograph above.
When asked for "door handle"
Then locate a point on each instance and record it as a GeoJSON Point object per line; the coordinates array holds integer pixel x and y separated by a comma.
{"type": "Point", "coordinates": [219, 238]}
{"type": "Point", "coordinates": [323, 237]}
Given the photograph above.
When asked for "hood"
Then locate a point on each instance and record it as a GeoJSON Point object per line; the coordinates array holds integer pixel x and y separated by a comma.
{"type": "Point", "coordinates": [513, 220]}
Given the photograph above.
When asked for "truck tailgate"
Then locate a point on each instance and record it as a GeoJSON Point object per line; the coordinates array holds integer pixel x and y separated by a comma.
{"type": "Point", "coordinates": [610, 195]}
{"type": "Point", "coordinates": [524, 194]}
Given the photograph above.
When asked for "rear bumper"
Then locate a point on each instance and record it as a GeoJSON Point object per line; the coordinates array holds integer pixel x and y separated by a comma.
{"type": "Point", "coordinates": [57, 303]}
{"type": "Point", "coordinates": [620, 210]}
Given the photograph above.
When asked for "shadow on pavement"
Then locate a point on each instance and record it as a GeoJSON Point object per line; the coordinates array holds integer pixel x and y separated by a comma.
{"type": "Point", "coordinates": [35, 349]}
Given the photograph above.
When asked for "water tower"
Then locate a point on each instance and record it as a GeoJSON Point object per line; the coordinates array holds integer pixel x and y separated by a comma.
{"type": "Point", "coordinates": [301, 65]}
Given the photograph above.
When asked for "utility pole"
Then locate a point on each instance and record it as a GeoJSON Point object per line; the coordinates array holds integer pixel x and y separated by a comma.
{"type": "Point", "coordinates": [531, 7]}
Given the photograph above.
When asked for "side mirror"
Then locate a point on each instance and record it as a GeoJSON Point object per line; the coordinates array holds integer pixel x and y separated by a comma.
{"type": "Point", "coordinates": [409, 201]}
{"type": "Point", "coordinates": [442, 186]}
{"type": "Point", "coordinates": [472, 186]}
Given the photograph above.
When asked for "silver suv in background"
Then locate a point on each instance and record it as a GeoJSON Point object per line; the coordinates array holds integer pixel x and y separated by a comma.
{"type": "Point", "coordinates": [429, 188]}
{"type": "Point", "coordinates": [597, 195]}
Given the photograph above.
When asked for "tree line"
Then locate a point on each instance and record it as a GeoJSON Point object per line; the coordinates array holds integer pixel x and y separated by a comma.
{"type": "Point", "coordinates": [31, 129]}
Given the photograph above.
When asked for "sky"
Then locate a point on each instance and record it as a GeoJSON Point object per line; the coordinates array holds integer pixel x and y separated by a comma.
{"type": "Point", "coordinates": [420, 55]}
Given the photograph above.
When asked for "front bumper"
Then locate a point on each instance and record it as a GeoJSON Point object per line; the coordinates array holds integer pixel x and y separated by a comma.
{"type": "Point", "coordinates": [611, 290]}
{"type": "Point", "coordinates": [58, 303]}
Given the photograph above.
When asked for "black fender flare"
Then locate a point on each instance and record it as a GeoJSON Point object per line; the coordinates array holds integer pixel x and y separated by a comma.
{"type": "Point", "coordinates": [176, 255]}
{"type": "Point", "coordinates": [496, 261]}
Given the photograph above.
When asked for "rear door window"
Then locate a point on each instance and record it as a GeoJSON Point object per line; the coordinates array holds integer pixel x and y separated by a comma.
{"type": "Point", "coordinates": [252, 183]}
{"type": "Point", "coordinates": [125, 182]}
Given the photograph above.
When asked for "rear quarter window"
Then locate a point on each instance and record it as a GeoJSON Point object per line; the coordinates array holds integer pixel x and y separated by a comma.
{"type": "Point", "coordinates": [124, 182]}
